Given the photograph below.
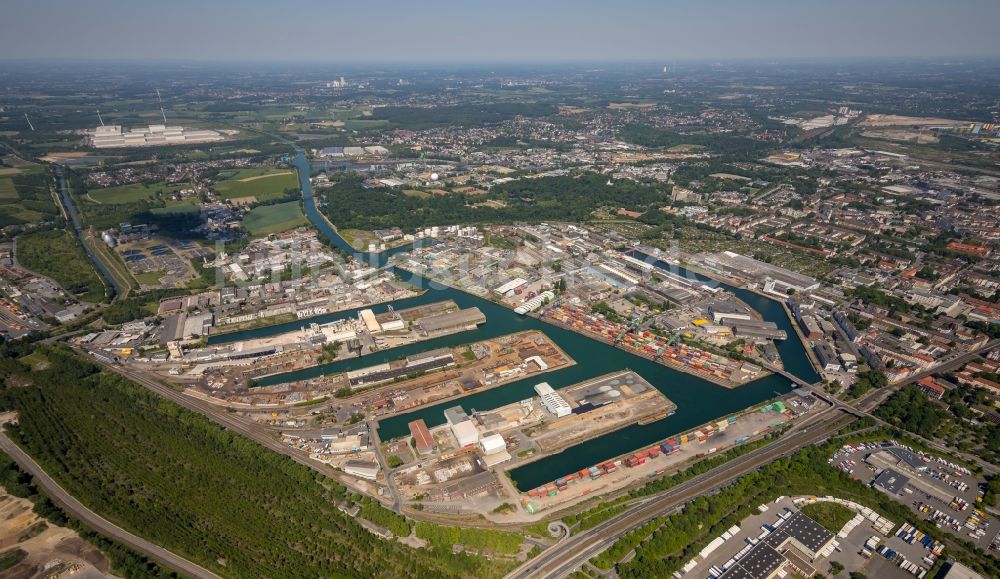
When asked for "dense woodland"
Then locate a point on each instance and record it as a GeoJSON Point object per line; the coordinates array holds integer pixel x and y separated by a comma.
{"type": "Point", "coordinates": [124, 561]}
{"type": "Point", "coordinates": [468, 115]}
{"type": "Point", "coordinates": [181, 481]}
{"type": "Point", "coordinates": [953, 420]}
{"type": "Point", "coordinates": [567, 198]}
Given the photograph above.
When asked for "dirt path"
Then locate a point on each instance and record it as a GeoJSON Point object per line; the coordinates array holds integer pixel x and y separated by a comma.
{"type": "Point", "coordinates": [265, 176]}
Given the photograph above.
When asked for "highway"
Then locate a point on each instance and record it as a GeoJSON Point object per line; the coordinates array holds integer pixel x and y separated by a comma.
{"type": "Point", "coordinates": [569, 554]}
{"type": "Point", "coordinates": [96, 522]}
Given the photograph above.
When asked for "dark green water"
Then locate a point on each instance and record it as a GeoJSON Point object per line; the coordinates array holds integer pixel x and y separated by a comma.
{"type": "Point", "coordinates": [698, 401]}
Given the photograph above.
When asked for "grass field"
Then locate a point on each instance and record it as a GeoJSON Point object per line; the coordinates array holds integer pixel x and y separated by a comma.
{"type": "Point", "coordinates": [131, 193]}
{"type": "Point", "coordinates": [357, 238]}
{"type": "Point", "coordinates": [270, 219]}
{"type": "Point", "coordinates": [363, 124]}
{"type": "Point", "coordinates": [831, 516]}
{"type": "Point", "coordinates": [25, 198]}
{"type": "Point", "coordinates": [150, 277]}
{"type": "Point", "coordinates": [7, 189]}
{"type": "Point", "coordinates": [263, 184]}
{"type": "Point", "coordinates": [58, 255]}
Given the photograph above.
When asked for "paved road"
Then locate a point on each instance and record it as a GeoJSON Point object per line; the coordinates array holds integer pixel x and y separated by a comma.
{"type": "Point", "coordinates": [568, 555]}
{"type": "Point", "coordinates": [874, 398]}
{"type": "Point", "coordinates": [95, 521]}
{"type": "Point", "coordinates": [563, 558]}
{"type": "Point", "coordinates": [390, 479]}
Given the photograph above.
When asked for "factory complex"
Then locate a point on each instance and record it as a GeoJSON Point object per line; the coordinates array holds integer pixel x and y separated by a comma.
{"type": "Point", "coordinates": [115, 136]}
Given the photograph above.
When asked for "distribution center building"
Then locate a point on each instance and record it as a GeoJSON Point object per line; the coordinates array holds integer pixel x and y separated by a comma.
{"type": "Point", "coordinates": [552, 401]}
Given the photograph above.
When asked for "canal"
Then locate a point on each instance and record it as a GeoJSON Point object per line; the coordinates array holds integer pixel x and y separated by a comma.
{"type": "Point", "coordinates": [67, 200]}
{"type": "Point", "coordinates": [698, 401]}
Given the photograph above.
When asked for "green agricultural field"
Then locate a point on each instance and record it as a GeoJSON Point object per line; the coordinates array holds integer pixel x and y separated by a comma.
{"type": "Point", "coordinates": [26, 198]}
{"type": "Point", "coordinates": [263, 184]}
{"type": "Point", "coordinates": [131, 193]}
{"type": "Point", "coordinates": [270, 219]}
{"type": "Point", "coordinates": [7, 189]}
{"type": "Point", "coordinates": [58, 255]}
{"type": "Point", "coordinates": [365, 124]}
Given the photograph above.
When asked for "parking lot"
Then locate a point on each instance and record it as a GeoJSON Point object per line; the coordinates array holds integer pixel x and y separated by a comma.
{"type": "Point", "coordinates": [873, 545]}
{"type": "Point", "coordinates": [936, 489]}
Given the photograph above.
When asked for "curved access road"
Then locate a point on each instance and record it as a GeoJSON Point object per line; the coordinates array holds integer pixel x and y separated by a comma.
{"type": "Point", "coordinates": [569, 554]}
{"type": "Point", "coordinates": [96, 522]}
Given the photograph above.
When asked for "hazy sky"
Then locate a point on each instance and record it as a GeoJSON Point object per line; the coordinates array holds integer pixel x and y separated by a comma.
{"type": "Point", "coordinates": [498, 30]}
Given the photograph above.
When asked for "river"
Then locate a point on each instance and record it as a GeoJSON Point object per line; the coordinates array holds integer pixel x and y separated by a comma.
{"type": "Point", "coordinates": [698, 401]}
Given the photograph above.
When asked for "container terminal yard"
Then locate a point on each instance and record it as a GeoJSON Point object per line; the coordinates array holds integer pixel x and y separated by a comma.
{"type": "Point", "coordinates": [667, 351]}
{"type": "Point", "coordinates": [668, 455]}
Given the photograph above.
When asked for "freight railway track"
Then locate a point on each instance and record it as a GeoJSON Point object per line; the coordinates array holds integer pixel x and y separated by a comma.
{"type": "Point", "coordinates": [561, 559]}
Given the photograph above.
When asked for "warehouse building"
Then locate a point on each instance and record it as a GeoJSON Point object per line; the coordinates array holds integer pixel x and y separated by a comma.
{"type": "Point", "coordinates": [510, 286]}
{"type": "Point", "coordinates": [468, 318]}
{"type": "Point", "coordinates": [774, 279]}
{"type": "Point", "coordinates": [792, 547]}
{"type": "Point", "coordinates": [891, 482]}
{"type": "Point", "coordinates": [461, 426]}
{"type": "Point", "coordinates": [362, 468]}
{"type": "Point", "coordinates": [422, 438]}
{"type": "Point", "coordinates": [755, 331]}
{"type": "Point", "coordinates": [367, 318]}
{"type": "Point", "coordinates": [552, 401]}
{"type": "Point", "coordinates": [534, 303]}
{"type": "Point", "coordinates": [728, 309]}
{"type": "Point", "coordinates": [112, 136]}
{"type": "Point", "coordinates": [441, 358]}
